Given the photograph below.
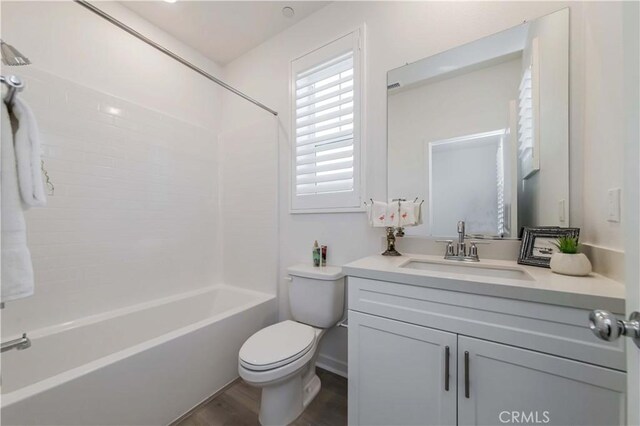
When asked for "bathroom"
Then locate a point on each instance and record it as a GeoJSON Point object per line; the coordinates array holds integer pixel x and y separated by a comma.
{"type": "Point", "coordinates": [175, 249]}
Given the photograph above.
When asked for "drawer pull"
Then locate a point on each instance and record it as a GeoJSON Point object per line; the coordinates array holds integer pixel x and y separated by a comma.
{"type": "Point", "coordinates": [466, 374]}
{"type": "Point", "coordinates": [446, 368]}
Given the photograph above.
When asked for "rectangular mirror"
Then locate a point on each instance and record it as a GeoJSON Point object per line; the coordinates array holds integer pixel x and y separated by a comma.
{"type": "Point", "coordinates": [481, 132]}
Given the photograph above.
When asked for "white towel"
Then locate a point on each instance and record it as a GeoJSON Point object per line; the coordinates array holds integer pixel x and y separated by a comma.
{"type": "Point", "coordinates": [17, 271]}
{"type": "Point", "coordinates": [27, 154]}
{"type": "Point", "coordinates": [418, 212]}
{"type": "Point", "coordinates": [407, 213]}
{"type": "Point", "coordinates": [393, 214]}
{"type": "Point", "coordinates": [377, 212]}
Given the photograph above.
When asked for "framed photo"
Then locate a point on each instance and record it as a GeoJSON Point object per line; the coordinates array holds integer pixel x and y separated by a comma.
{"type": "Point", "coordinates": [538, 246]}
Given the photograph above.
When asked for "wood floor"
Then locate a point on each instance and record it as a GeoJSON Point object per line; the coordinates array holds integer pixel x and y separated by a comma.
{"type": "Point", "coordinates": [238, 405]}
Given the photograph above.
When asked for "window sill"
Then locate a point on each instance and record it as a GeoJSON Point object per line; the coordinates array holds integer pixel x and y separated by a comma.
{"type": "Point", "coordinates": [332, 210]}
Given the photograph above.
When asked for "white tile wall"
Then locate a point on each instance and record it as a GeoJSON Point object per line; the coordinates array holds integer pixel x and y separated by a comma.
{"type": "Point", "coordinates": [135, 210]}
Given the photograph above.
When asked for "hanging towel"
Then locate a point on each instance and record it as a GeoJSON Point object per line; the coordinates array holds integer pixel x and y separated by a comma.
{"type": "Point", "coordinates": [17, 271]}
{"type": "Point", "coordinates": [407, 213]}
{"type": "Point", "coordinates": [393, 214]}
{"type": "Point", "coordinates": [27, 154]}
{"type": "Point", "coordinates": [377, 212]}
{"type": "Point", "coordinates": [418, 212]}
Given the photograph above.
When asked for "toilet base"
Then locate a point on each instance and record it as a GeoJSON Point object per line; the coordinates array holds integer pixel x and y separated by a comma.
{"type": "Point", "coordinates": [284, 402]}
{"type": "Point", "coordinates": [311, 390]}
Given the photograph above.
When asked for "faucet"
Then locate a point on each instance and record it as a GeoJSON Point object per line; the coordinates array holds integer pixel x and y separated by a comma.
{"type": "Point", "coordinates": [459, 251]}
{"type": "Point", "coordinates": [462, 248]}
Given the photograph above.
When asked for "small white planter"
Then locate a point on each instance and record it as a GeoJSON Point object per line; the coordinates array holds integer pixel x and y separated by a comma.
{"type": "Point", "coordinates": [570, 264]}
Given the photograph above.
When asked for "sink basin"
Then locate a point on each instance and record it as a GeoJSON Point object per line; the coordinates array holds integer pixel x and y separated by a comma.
{"type": "Point", "coordinates": [477, 269]}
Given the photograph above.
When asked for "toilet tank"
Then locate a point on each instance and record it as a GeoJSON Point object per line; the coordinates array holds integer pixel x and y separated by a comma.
{"type": "Point", "coordinates": [316, 295]}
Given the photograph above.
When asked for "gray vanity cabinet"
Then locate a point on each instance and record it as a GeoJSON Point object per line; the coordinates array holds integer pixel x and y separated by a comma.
{"type": "Point", "coordinates": [502, 384]}
{"type": "Point", "coordinates": [510, 362]}
{"type": "Point", "coordinates": [400, 373]}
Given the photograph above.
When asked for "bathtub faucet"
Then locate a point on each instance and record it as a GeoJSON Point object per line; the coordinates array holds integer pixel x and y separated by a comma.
{"type": "Point", "coordinates": [19, 344]}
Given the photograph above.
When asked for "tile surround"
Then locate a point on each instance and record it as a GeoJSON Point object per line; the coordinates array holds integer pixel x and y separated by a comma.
{"type": "Point", "coordinates": [135, 208]}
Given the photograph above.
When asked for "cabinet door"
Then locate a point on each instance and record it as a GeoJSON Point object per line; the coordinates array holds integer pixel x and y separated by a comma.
{"type": "Point", "coordinates": [397, 373]}
{"type": "Point", "coordinates": [500, 384]}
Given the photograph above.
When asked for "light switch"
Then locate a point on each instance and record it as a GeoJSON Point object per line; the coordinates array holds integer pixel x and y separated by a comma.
{"type": "Point", "coordinates": [613, 203]}
{"type": "Point", "coordinates": [561, 211]}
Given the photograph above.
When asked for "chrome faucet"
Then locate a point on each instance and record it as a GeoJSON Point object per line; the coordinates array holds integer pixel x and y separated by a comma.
{"type": "Point", "coordinates": [462, 248]}
{"type": "Point", "coordinates": [459, 251]}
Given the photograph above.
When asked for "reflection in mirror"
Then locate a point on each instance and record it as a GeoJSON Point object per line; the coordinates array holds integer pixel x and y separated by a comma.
{"type": "Point", "coordinates": [481, 132]}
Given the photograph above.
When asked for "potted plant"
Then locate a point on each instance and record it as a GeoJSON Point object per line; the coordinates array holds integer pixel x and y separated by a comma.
{"type": "Point", "coordinates": [568, 261]}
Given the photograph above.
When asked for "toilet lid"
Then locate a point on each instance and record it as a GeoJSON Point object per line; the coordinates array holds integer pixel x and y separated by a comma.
{"type": "Point", "coordinates": [277, 345]}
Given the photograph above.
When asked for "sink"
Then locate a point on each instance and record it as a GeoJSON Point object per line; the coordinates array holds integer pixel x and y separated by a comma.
{"type": "Point", "coordinates": [465, 268]}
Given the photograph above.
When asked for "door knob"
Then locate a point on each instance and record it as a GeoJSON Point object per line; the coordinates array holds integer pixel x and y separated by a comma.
{"type": "Point", "coordinates": [607, 327]}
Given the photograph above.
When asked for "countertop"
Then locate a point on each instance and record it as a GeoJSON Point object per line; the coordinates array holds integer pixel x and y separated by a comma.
{"type": "Point", "coordinates": [591, 292]}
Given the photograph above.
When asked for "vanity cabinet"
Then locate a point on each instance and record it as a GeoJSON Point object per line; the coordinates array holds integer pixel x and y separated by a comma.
{"type": "Point", "coordinates": [424, 356]}
{"type": "Point", "coordinates": [502, 384]}
{"type": "Point", "coordinates": [402, 373]}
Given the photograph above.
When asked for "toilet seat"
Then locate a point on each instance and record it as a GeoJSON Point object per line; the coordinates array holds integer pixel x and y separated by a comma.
{"type": "Point", "coordinates": [277, 345]}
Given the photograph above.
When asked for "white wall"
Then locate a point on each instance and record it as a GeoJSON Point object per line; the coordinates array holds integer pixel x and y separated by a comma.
{"type": "Point", "coordinates": [603, 114]}
{"type": "Point", "coordinates": [130, 144]}
{"type": "Point", "coordinates": [400, 32]}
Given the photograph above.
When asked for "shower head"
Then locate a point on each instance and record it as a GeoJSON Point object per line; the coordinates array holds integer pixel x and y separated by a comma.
{"type": "Point", "coordinates": [11, 56]}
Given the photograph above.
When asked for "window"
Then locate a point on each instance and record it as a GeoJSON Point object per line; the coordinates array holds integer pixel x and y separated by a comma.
{"type": "Point", "coordinates": [326, 128]}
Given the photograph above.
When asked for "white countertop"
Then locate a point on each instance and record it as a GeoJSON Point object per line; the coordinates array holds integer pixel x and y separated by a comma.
{"type": "Point", "coordinates": [590, 292]}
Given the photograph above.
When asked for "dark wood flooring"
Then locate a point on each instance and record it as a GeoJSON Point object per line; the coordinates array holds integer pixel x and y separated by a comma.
{"type": "Point", "coordinates": [239, 404]}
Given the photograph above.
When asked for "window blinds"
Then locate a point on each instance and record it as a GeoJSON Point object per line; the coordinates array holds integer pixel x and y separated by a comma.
{"type": "Point", "coordinates": [325, 126]}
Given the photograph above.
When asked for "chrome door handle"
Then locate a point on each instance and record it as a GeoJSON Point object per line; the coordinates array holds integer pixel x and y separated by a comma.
{"type": "Point", "coordinates": [607, 327]}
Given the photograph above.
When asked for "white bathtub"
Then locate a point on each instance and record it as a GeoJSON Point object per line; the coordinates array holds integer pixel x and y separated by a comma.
{"type": "Point", "coordinates": [142, 365]}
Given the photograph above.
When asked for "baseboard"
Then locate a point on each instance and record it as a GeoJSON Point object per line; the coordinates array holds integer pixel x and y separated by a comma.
{"type": "Point", "coordinates": [333, 365]}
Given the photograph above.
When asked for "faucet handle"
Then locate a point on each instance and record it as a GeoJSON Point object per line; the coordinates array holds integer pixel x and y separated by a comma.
{"type": "Point", "coordinates": [473, 249]}
{"type": "Point", "coordinates": [449, 250]}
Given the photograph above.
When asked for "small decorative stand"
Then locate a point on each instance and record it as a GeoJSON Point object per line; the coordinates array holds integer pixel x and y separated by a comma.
{"type": "Point", "coordinates": [391, 243]}
{"type": "Point", "coordinates": [393, 231]}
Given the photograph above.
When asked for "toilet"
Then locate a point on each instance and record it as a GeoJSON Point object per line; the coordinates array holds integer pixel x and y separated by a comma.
{"type": "Point", "coordinates": [281, 358]}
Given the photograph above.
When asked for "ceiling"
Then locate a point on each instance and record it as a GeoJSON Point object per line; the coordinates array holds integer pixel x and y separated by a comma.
{"type": "Point", "coordinates": [222, 30]}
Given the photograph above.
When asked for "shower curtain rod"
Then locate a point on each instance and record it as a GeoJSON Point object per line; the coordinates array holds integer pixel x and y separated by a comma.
{"type": "Point", "coordinates": [169, 53]}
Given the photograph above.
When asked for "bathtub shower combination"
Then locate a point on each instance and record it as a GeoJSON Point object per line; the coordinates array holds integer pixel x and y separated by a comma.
{"type": "Point", "coordinates": [128, 315]}
{"type": "Point", "coordinates": [146, 364]}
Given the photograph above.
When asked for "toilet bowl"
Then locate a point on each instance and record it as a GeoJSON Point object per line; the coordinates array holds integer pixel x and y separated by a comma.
{"type": "Point", "coordinates": [281, 358]}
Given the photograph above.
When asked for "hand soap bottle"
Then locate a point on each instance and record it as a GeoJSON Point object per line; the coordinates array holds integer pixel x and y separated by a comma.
{"type": "Point", "coordinates": [316, 254]}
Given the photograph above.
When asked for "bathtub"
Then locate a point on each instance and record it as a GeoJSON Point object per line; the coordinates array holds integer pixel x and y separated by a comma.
{"type": "Point", "coordinates": [146, 364]}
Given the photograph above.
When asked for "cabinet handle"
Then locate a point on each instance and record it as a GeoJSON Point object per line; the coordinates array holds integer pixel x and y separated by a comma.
{"type": "Point", "coordinates": [466, 374]}
{"type": "Point", "coordinates": [446, 368]}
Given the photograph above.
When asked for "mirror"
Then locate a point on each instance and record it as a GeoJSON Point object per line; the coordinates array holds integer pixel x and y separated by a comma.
{"type": "Point", "coordinates": [481, 132]}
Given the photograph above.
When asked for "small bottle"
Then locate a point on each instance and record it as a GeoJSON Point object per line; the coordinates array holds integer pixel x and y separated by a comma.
{"type": "Point", "coordinates": [316, 254]}
{"type": "Point", "coordinates": [324, 255]}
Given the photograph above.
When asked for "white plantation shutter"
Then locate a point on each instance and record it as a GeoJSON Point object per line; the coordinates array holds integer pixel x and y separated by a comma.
{"type": "Point", "coordinates": [326, 127]}
{"type": "Point", "coordinates": [528, 106]}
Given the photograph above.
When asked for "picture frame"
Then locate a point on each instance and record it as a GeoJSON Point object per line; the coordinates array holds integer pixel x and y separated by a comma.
{"type": "Point", "coordinates": [537, 245]}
